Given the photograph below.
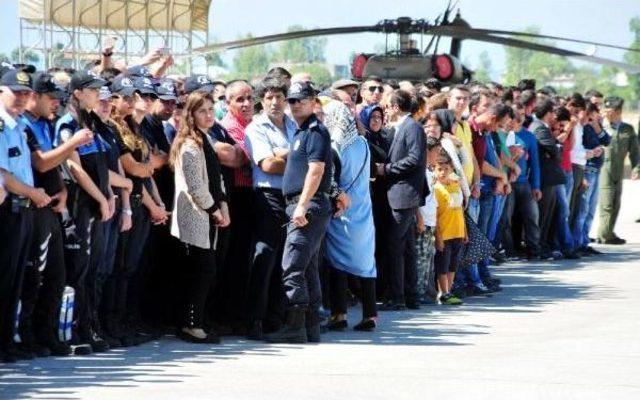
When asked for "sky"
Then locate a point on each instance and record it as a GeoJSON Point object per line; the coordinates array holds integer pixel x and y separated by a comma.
{"type": "Point", "coordinates": [597, 20]}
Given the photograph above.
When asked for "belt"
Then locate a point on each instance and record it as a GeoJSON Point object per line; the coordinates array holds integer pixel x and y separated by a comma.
{"type": "Point", "coordinates": [290, 200]}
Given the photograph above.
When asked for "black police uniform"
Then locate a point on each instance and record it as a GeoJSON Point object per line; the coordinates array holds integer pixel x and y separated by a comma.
{"type": "Point", "coordinates": [312, 143]}
{"type": "Point", "coordinates": [163, 248]}
{"type": "Point", "coordinates": [16, 222]}
{"type": "Point", "coordinates": [84, 264]}
{"type": "Point", "coordinates": [45, 274]}
{"type": "Point", "coordinates": [121, 300]}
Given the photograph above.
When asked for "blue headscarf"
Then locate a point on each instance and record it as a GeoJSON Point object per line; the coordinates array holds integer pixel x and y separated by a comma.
{"type": "Point", "coordinates": [365, 116]}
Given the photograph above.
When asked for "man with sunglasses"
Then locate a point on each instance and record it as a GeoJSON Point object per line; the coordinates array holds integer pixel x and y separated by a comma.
{"type": "Point", "coordinates": [371, 92]}
{"type": "Point", "coordinates": [305, 185]}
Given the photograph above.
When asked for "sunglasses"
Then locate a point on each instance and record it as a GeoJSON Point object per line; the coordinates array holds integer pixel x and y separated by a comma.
{"type": "Point", "coordinates": [373, 89]}
{"type": "Point", "coordinates": [295, 101]}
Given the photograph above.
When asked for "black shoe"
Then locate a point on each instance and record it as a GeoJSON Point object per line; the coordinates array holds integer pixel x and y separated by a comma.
{"type": "Point", "coordinates": [20, 354]}
{"type": "Point", "coordinates": [312, 325]}
{"type": "Point", "coordinates": [592, 251]}
{"type": "Point", "coordinates": [413, 305]}
{"type": "Point", "coordinates": [57, 348]}
{"type": "Point", "coordinates": [337, 325]}
{"type": "Point", "coordinates": [255, 331]}
{"type": "Point", "coordinates": [481, 290]}
{"type": "Point", "coordinates": [7, 358]}
{"type": "Point", "coordinates": [97, 343]}
{"type": "Point", "coordinates": [573, 255]}
{"type": "Point", "coordinates": [293, 330]}
{"type": "Point", "coordinates": [392, 306]}
{"type": "Point", "coordinates": [36, 349]}
{"type": "Point", "coordinates": [615, 241]}
{"type": "Point", "coordinates": [224, 330]}
{"type": "Point", "coordinates": [366, 325]}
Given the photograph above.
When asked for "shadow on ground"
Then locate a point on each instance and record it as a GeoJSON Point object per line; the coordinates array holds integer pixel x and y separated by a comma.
{"type": "Point", "coordinates": [527, 289]}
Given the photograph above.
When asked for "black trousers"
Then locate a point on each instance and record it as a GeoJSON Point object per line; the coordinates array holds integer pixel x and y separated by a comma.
{"type": "Point", "coordinates": [82, 267]}
{"type": "Point", "coordinates": [200, 271]}
{"type": "Point", "coordinates": [235, 275]}
{"type": "Point", "coordinates": [339, 281]}
{"type": "Point", "coordinates": [547, 211]}
{"type": "Point", "coordinates": [44, 279]}
{"type": "Point", "coordinates": [402, 256]}
{"type": "Point", "coordinates": [120, 292]}
{"type": "Point", "coordinates": [269, 234]}
{"type": "Point", "coordinates": [15, 238]}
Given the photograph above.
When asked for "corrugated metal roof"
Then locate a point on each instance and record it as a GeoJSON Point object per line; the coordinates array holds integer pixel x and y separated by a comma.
{"type": "Point", "coordinates": [172, 15]}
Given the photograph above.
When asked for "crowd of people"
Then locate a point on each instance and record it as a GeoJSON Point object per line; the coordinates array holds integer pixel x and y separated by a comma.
{"type": "Point", "coordinates": [133, 200]}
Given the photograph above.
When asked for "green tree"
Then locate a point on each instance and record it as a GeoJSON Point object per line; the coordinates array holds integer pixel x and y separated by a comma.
{"type": "Point", "coordinates": [251, 62]}
{"type": "Point", "coordinates": [484, 70]}
{"type": "Point", "coordinates": [215, 59]}
{"type": "Point", "coordinates": [633, 58]}
{"type": "Point", "coordinates": [305, 50]}
{"type": "Point", "coordinates": [28, 56]}
{"type": "Point", "coordinates": [543, 67]}
{"type": "Point", "coordinates": [319, 73]}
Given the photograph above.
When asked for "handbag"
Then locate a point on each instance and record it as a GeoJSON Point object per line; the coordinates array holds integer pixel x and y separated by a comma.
{"type": "Point", "coordinates": [478, 248]}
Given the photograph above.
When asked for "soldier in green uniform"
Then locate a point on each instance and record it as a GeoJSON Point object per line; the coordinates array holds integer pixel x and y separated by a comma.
{"type": "Point", "coordinates": [623, 141]}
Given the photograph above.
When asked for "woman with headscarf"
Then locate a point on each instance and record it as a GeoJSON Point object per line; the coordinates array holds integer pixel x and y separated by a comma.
{"type": "Point", "coordinates": [350, 237]}
{"type": "Point", "coordinates": [379, 141]}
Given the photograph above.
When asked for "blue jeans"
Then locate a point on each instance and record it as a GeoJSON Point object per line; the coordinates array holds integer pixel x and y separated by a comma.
{"type": "Point", "coordinates": [588, 203]}
{"type": "Point", "coordinates": [563, 237]}
{"type": "Point", "coordinates": [568, 186]}
{"type": "Point", "coordinates": [484, 223]}
{"type": "Point", "coordinates": [498, 207]}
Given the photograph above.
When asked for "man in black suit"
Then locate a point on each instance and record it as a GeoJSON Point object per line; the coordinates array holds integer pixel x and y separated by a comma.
{"type": "Point", "coordinates": [405, 175]}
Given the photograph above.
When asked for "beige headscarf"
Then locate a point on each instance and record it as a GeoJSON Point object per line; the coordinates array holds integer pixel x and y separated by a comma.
{"type": "Point", "coordinates": [340, 123]}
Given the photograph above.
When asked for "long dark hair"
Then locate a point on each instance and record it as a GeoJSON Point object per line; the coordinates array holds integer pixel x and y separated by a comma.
{"type": "Point", "coordinates": [188, 127]}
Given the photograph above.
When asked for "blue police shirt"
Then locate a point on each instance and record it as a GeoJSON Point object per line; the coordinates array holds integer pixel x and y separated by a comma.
{"type": "Point", "coordinates": [15, 156]}
{"type": "Point", "coordinates": [311, 143]}
{"type": "Point", "coordinates": [93, 156]}
{"type": "Point", "coordinates": [262, 136]}
{"type": "Point", "coordinates": [39, 138]}
{"type": "Point", "coordinates": [491, 157]}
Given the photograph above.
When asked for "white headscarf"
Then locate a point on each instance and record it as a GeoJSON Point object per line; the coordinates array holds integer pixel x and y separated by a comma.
{"type": "Point", "coordinates": [340, 123]}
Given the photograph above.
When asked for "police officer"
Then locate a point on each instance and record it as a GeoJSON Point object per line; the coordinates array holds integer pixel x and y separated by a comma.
{"type": "Point", "coordinates": [306, 186]}
{"type": "Point", "coordinates": [16, 216]}
{"type": "Point", "coordinates": [91, 203]}
{"type": "Point", "coordinates": [623, 142]}
{"type": "Point", "coordinates": [162, 258]}
{"type": "Point", "coordinates": [45, 273]}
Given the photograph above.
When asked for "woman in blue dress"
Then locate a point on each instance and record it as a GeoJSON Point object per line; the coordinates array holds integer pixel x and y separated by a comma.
{"type": "Point", "coordinates": [350, 238]}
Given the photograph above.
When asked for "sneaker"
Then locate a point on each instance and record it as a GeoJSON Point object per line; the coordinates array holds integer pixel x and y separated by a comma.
{"type": "Point", "coordinates": [481, 290]}
{"type": "Point", "coordinates": [450, 300]}
{"type": "Point", "coordinates": [392, 306]}
{"type": "Point", "coordinates": [557, 255]}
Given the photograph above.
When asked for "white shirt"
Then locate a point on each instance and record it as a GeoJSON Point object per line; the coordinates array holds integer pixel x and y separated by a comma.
{"type": "Point", "coordinates": [578, 152]}
{"type": "Point", "coordinates": [430, 207]}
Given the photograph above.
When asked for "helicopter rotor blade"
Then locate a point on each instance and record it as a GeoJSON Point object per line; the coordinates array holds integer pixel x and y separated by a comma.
{"type": "Point", "coordinates": [471, 35]}
{"type": "Point", "coordinates": [532, 35]}
{"type": "Point", "coordinates": [236, 44]}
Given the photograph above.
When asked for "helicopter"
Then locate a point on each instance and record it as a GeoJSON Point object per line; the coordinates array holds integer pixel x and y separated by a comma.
{"type": "Point", "coordinates": [420, 63]}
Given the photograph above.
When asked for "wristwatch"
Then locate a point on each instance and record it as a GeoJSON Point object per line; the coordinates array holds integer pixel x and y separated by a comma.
{"type": "Point", "coordinates": [127, 211]}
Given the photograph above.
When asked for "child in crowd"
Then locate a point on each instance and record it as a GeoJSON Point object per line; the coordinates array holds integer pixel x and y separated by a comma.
{"type": "Point", "coordinates": [426, 225]}
{"type": "Point", "coordinates": [451, 232]}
